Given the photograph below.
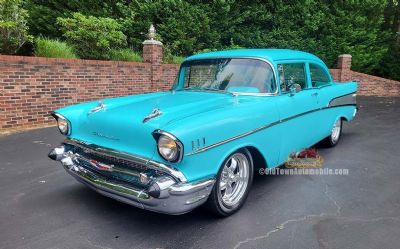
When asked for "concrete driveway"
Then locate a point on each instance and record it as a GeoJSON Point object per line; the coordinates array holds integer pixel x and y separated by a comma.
{"type": "Point", "coordinates": [43, 207]}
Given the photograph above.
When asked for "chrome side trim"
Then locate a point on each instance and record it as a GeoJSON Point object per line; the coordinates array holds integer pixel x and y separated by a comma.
{"type": "Point", "coordinates": [242, 57]}
{"type": "Point", "coordinates": [176, 174]}
{"type": "Point", "coordinates": [232, 138]}
{"type": "Point", "coordinates": [262, 128]}
{"type": "Point", "coordinates": [348, 99]}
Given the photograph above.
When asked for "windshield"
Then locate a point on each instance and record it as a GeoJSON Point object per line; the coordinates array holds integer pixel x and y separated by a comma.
{"type": "Point", "coordinates": [231, 75]}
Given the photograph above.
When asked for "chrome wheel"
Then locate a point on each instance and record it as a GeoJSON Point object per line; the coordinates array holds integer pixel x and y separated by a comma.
{"type": "Point", "coordinates": [234, 179]}
{"type": "Point", "coordinates": [336, 131]}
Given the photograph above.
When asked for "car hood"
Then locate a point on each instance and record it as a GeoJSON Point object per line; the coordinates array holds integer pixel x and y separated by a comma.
{"type": "Point", "coordinates": [120, 124]}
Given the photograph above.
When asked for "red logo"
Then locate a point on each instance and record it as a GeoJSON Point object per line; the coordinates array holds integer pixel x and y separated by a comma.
{"type": "Point", "coordinates": [101, 166]}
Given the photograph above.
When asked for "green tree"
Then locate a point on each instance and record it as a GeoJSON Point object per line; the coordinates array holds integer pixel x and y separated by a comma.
{"type": "Point", "coordinates": [92, 37]}
{"type": "Point", "coordinates": [13, 28]}
{"type": "Point", "coordinates": [366, 29]}
{"type": "Point", "coordinates": [390, 64]}
{"type": "Point", "coordinates": [43, 14]}
{"type": "Point", "coordinates": [184, 26]}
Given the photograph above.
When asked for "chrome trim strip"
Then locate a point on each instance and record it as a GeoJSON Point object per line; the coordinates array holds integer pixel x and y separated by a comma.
{"type": "Point", "coordinates": [262, 128]}
{"type": "Point", "coordinates": [242, 57]}
{"type": "Point", "coordinates": [176, 174]}
{"type": "Point", "coordinates": [186, 188]}
{"type": "Point", "coordinates": [347, 99]}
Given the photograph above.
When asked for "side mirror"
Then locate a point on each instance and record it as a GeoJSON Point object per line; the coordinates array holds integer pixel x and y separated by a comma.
{"type": "Point", "coordinates": [294, 88]}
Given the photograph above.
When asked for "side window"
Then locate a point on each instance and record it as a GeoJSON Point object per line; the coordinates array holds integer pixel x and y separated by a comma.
{"type": "Point", "coordinates": [318, 76]}
{"type": "Point", "coordinates": [292, 74]}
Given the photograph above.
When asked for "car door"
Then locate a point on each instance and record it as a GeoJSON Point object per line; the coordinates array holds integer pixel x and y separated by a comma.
{"type": "Point", "coordinates": [296, 109]}
{"type": "Point", "coordinates": [320, 81]}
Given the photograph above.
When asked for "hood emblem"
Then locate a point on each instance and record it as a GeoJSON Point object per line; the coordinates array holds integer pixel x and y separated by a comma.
{"type": "Point", "coordinates": [154, 113]}
{"type": "Point", "coordinates": [100, 107]}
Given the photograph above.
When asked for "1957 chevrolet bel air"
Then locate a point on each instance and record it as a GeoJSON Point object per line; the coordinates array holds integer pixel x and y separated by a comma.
{"type": "Point", "coordinates": [228, 114]}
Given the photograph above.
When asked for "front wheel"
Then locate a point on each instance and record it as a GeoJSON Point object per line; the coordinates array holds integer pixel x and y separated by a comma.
{"type": "Point", "coordinates": [233, 184]}
{"type": "Point", "coordinates": [333, 139]}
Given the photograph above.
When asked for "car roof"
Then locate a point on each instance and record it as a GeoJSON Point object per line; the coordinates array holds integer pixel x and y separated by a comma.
{"type": "Point", "coordinates": [271, 55]}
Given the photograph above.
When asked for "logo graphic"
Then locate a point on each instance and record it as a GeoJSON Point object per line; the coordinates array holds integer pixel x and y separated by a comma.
{"type": "Point", "coordinates": [306, 159]}
{"type": "Point", "coordinates": [101, 166]}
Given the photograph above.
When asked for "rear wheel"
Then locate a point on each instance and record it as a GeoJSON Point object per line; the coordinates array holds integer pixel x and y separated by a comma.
{"type": "Point", "coordinates": [333, 139]}
{"type": "Point", "coordinates": [233, 184]}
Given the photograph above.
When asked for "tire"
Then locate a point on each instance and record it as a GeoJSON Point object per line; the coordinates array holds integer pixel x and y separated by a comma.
{"type": "Point", "coordinates": [333, 139]}
{"type": "Point", "coordinates": [232, 184]}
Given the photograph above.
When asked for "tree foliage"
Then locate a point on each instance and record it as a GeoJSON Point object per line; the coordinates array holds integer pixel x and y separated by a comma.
{"type": "Point", "coordinates": [366, 29]}
{"type": "Point", "coordinates": [13, 28]}
{"type": "Point", "coordinates": [92, 37]}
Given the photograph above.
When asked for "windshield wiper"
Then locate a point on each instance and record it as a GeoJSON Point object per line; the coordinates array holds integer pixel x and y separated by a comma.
{"type": "Point", "coordinates": [208, 90]}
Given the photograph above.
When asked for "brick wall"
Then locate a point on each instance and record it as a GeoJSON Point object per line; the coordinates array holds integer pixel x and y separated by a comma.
{"type": "Point", "coordinates": [31, 87]}
{"type": "Point", "coordinates": [368, 85]}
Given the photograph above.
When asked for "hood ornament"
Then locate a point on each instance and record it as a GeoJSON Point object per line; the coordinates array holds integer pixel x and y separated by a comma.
{"type": "Point", "coordinates": [154, 113]}
{"type": "Point", "coordinates": [100, 107]}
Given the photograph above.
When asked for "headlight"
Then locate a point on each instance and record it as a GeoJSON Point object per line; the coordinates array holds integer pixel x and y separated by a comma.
{"type": "Point", "coordinates": [169, 147]}
{"type": "Point", "coordinates": [62, 123]}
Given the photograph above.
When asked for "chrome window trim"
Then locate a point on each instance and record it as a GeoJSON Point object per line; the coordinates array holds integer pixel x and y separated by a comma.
{"type": "Point", "coordinates": [241, 57]}
{"type": "Point", "coordinates": [176, 174]}
{"type": "Point", "coordinates": [327, 74]}
{"type": "Point", "coordinates": [305, 75]}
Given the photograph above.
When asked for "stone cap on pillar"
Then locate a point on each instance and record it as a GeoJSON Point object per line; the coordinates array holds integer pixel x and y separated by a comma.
{"type": "Point", "coordinates": [344, 61]}
{"type": "Point", "coordinates": [152, 49]}
{"type": "Point", "coordinates": [152, 35]}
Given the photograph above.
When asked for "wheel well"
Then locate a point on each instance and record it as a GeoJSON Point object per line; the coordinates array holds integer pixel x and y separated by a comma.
{"type": "Point", "coordinates": [258, 159]}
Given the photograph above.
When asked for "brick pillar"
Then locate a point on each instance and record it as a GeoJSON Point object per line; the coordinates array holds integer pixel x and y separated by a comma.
{"type": "Point", "coordinates": [153, 53]}
{"type": "Point", "coordinates": [344, 64]}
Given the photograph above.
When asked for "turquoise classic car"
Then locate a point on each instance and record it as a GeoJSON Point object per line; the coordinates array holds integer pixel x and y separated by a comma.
{"type": "Point", "coordinates": [228, 114]}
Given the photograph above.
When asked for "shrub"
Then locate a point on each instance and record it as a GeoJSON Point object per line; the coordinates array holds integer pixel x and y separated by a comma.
{"type": "Point", "coordinates": [124, 55]}
{"type": "Point", "coordinates": [53, 48]}
{"type": "Point", "coordinates": [92, 37]}
{"type": "Point", "coordinates": [173, 59]}
{"type": "Point", "coordinates": [13, 28]}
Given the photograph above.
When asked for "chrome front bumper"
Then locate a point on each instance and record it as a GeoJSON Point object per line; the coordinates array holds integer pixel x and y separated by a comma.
{"type": "Point", "coordinates": [132, 179]}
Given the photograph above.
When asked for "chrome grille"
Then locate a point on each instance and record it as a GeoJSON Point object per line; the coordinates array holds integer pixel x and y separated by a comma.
{"type": "Point", "coordinates": [111, 160]}
{"type": "Point", "coordinates": [120, 164]}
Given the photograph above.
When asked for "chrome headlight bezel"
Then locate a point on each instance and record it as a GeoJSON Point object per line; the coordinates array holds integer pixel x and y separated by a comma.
{"type": "Point", "coordinates": [163, 137]}
{"type": "Point", "coordinates": [64, 126]}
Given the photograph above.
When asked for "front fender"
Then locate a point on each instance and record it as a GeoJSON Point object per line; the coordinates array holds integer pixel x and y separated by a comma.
{"type": "Point", "coordinates": [209, 138]}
